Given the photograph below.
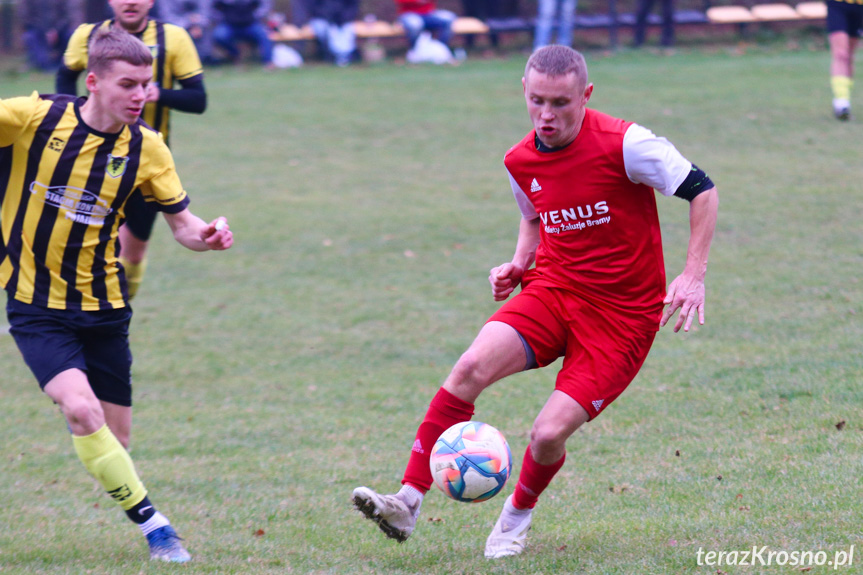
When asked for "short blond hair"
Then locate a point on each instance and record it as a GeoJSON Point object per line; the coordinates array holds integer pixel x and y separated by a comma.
{"type": "Point", "coordinates": [110, 44]}
{"type": "Point", "coordinates": [558, 60]}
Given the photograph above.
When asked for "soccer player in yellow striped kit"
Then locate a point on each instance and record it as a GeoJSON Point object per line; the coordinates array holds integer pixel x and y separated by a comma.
{"type": "Point", "coordinates": [67, 167]}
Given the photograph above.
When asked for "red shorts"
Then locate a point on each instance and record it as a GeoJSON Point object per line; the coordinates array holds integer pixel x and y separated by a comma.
{"type": "Point", "coordinates": [602, 351]}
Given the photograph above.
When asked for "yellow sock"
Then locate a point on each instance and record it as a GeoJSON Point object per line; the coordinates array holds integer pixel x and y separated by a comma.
{"type": "Point", "coordinates": [134, 274]}
{"type": "Point", "coordinates": [841, 87]}
{"type": "Point", "coordinates": [106, 460]}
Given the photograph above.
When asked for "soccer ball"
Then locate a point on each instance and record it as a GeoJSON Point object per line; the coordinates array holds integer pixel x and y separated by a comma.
{"type": "Point", "coordinates": [471, 461]}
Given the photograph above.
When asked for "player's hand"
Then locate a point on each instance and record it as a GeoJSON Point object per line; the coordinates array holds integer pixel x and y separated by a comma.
{"type": "Point", "coordinates": [685, 293]}
{"type": "Point", "coordinates": [153, 93]}
{"type": "Point", "coordinates": [504, 279]}
{"type": "Point", "coordinates": [217, 235]}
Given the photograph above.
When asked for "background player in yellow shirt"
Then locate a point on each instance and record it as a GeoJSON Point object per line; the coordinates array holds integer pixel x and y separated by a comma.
{"type": "Point", "coordinates": [844, 24]}
{"type": "Point", "coordinates": [67, 168]}
{"type": "Point", "coordinates": [175, 59]}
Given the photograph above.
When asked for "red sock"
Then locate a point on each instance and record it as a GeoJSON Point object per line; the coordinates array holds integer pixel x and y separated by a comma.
{"type": "Point", "coordinates": [533, 480]}
{"type": "Point", "coordinates": [444, 411]}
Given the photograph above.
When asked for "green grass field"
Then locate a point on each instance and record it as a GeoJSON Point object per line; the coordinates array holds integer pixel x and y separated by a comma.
{"type": "Point", "coordinates": [368, 205]}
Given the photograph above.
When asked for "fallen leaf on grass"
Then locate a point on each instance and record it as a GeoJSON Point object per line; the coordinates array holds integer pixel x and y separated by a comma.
{"type": "Point", "coordinates": [841, 425]}
{"type": "Point", "coordinates": [259, 533]}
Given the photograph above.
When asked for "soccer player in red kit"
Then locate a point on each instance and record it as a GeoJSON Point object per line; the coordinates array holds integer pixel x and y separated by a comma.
{"type": "Point", "coordinates": [584, 182]}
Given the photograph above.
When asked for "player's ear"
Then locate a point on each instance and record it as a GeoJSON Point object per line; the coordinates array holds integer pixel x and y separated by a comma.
{"type": "Point", "coordinates": [91, 82]}
{"type": "Point", "coordinates": [588, 92]}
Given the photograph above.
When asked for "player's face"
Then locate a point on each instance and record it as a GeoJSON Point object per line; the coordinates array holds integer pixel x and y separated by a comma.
{"type": "Point", "coordinates": [119, 94]}
{"type": "Point", "coordinates": [131, 14]}
{"type": "Point", "coordinates": [556, 106]}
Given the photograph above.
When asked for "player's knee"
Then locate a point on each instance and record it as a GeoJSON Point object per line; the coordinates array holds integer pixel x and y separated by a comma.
{"type": "Point", "coordinates": [469, 370]}
{"type": "Point", "coordinates": [547, 439]}
{"type": "Point", "coordinates": [841, 55]}
{"type": "Point", "coordinates": [83, 415]}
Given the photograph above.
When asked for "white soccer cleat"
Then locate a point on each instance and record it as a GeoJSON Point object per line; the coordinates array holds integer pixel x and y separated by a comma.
{"type": "Point", "coordinates": [509, 535]}
{"type": "Point", "coordinates": [392, 514]}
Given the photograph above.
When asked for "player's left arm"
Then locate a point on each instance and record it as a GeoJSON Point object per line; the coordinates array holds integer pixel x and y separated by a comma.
{"type": "Point", "coordinates": [687, 292]}
{"type": "Point", "coordinates": [185, 66]}
{"type": "Point", "coordinates": [161, 185]}
{"type": "Point", "coordinates": [190, 98]}
{"type": "Point", "coordinates": [197, 235]}
{"type": "Point", "coordinates": [654, 161]}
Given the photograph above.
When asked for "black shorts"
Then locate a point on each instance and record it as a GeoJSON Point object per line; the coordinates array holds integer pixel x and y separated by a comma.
{"type": "Point", "coordinates": [845, 17]}
{"type": "Point", "coordinates": [96, 342]}
{"type": "Point", "coordinates": [140, 216]}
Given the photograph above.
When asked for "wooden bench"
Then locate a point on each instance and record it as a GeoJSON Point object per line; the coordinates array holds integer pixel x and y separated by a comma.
{"type": "Point", "coordinates": [767, 12]}
{"type": "Point", "coordinates": [729, 15]}
{"type": "Point", "coordinates": [737, 15]}
{"type": "Point", "coordinates": [812, 10]}
{"type": "Point", "coordinates": [377, 29]}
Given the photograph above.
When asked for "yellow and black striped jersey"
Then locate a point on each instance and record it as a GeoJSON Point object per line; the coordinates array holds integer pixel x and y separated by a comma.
{"type": "Point", "coordinates": [63, 187]}
{"type": "Point", "coordinates": [174, 58]}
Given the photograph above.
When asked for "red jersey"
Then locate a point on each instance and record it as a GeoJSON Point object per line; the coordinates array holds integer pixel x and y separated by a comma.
{"type": "Point", "coordinates": [418, 6]}
{"type": "Point", "coordinates": [599, 229]}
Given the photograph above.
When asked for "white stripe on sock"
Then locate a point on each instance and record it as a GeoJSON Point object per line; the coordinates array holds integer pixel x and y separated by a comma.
{"type": "Point", "coordinates": [153, 523]}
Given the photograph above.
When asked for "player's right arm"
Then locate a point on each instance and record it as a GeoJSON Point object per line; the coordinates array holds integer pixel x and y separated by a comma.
{"type": "Point", "coordinates": [506, 277]}
{"type": "Point", "coordinates": [74, 61]}
{"type": "Point", "coordinates": [15, 115]}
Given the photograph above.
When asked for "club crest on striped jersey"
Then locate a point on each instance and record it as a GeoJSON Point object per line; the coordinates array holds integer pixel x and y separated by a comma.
{"type": "Point", "coordinates": [154, 50]}
{"type": "Point", "coordinates": [116, 165]}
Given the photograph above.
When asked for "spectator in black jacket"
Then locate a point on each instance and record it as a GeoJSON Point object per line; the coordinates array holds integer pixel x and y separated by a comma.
{"type": "Point", "coordinates": [242, 20]}
{"type": "Point", "coordinates": [332, 22]}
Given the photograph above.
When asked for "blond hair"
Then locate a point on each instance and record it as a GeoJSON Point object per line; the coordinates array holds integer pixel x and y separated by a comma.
{"type": "Point", "coordinates": [110, 44]}
{"type": "Point", "coordinates": [558, 60]}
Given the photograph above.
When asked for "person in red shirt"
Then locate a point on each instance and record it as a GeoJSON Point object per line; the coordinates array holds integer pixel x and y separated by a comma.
{"type": "Point", "coordinates": [419, 15]}
{"type": "Point", "coordinates": [589, 262]}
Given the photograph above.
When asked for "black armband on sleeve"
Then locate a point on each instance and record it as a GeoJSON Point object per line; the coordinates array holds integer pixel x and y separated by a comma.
{"type": "Point", "coordinates": [695, 183]}
{"type": "Point", "coordinates": [66, 81]}
{"type": "Point", "coordinates": [192, 98]}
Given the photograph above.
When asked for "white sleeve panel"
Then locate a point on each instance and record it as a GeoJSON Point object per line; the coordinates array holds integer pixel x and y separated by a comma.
{"type": "Point", "coordinates": [653, 161]}
{"type": "Point", "coordinates": [528, 212]}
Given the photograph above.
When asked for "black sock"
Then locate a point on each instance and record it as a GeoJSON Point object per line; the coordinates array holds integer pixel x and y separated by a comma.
{"type": "Point", "coordinates": [142, 511]}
